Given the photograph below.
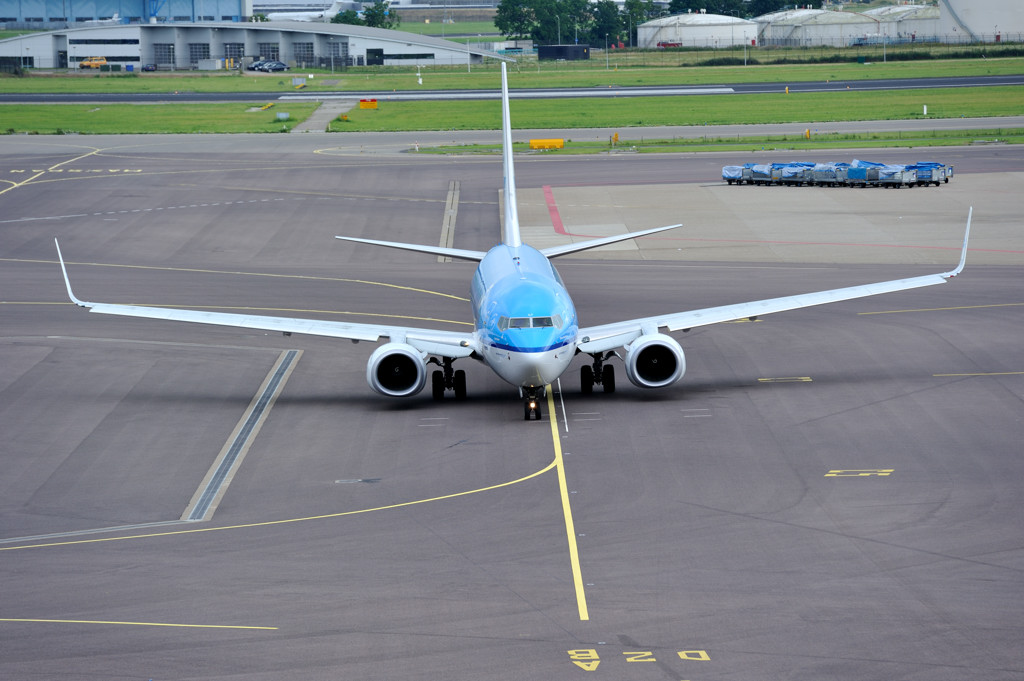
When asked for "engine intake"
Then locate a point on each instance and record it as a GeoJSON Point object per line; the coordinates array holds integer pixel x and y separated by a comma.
{"type": "Point", "coordinates": [397, 370]}
{"type": "Point", "coordinates": [654, 361]}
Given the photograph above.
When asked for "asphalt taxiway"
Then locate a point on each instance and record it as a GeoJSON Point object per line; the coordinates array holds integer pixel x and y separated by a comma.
{"type": "Point", "coordinates": [833, 492]}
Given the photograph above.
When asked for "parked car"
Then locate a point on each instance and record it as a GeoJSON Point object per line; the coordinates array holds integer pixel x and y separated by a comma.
{"type": "Point", "coordinates": [149, 67]}
{"type": "Point", "coordinates": [255, 66]}
{"type": "Point", "coordinates": [92, 62]}
{"type": "Point", "coordinates": [271, 66]}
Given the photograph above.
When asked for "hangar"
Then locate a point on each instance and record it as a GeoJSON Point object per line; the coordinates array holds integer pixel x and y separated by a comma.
{"type": "Point", "coordinates": [807, 27]}
{"type": "Point", "coordinates": [191, 45]}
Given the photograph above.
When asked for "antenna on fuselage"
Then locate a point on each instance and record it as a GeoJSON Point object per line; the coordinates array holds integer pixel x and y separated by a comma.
{"type": "Point", "coordinates": [512, 237]}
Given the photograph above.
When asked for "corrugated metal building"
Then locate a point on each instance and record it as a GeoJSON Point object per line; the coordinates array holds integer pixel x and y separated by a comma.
{"type": "Point", "coordinates": [187, 46]}
{"type": "Point", "coordinates": [810, 27]}
{"type": "Point", "coordinates": [907, 23]}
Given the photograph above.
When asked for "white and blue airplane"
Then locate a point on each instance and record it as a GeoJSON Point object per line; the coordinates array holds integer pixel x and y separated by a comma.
{"type": "Point", "coordinates": [525, 325]}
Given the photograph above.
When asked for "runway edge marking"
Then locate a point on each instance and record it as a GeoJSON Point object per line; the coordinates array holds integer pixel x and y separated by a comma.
{"type": "Point", "coordinates": [211, 490]}
{"type": "Point", "coordinates": [570, 527]}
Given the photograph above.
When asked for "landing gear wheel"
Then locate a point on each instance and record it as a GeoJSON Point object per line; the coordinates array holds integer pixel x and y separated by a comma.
{"type": "Point", "coordinates": [608, 378]}
{"type": "Point", "coordinates": [437, 385]}
{"type": "Point", "coordinates": [459, 381]}
{"type": "Point", "coordinates": [586, 380]}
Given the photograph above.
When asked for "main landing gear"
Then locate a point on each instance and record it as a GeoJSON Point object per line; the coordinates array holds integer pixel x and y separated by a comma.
{"type": "Point", "coordinates": [531, 402]}
{"type": "Point", "coordinates": [447, 379]}
{"type": "Point", "coordinates": [598, 373]}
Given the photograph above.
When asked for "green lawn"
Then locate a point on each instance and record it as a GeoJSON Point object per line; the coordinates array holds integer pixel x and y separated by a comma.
{"type": "Point", "coordinates": [689, 110]}
{"type": "Point", "coordinates": [109, 119]}
{"type": "Point", "coordinates": [626, 112]}
{"type": "Point", "coordinates": [531, 74]}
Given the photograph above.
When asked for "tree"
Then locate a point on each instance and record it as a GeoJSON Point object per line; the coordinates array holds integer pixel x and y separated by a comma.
{"type": "Point", "coordinates": [349, 16]}
{"type": "Point", "coordinates": [736, 8]}
{"type": "Point", "coordinates": [515, 18]}
{"type": "Point", "coordinates": [758, 7]}
{"type": "Point", "coordinates": [636, 12]}
{"type": "Point", "coordinates": [606, 22]}
{"type": "Point", "coordinates": [377, 15]}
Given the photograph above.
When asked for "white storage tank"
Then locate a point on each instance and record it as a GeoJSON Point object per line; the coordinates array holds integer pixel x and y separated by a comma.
{"type": "Point", "coordinates": [696, 30]}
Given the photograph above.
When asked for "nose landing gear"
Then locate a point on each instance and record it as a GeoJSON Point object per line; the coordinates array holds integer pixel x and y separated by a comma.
{"type": "Point", "coordinates": [531, 403]}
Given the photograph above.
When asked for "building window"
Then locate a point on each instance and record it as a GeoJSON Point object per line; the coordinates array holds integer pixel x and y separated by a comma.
{"type": "Point", "coordinates": [163, 54]}
{"type": "Point", "coordinates": [234, 50]}
{"type": "Point", "coordinates": [197, 52]}
{"type": "Point", "coordinates": [303, 52]}
{"type": "Point", "coordinates": [269, 51]}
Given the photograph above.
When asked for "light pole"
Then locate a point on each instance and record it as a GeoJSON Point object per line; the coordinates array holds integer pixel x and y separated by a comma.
{"type": "Point", "coordinates": [606, 67]}
{"type": "Point", "coordinates": [558, 19]}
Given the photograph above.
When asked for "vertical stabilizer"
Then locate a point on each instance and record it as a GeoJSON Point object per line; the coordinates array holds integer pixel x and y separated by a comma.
{"type": "Point", "coordinates": [512, 237]}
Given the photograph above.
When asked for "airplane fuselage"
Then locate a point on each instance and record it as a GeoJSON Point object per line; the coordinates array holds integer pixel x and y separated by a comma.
{"type": "Point", "coordinates": [525, 320]}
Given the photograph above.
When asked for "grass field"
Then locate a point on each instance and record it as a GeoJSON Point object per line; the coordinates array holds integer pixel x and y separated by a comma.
{"type": "Point", "coordinates": [109, 119]}
{"type": "Point", "coordinates": [531, 74]}
{"type": "Point", "coordinates": [624, 112]}
{"type": "Point", "coordinates": [690, 110]}
{"type": "Point", "coordinates": [815, 142]}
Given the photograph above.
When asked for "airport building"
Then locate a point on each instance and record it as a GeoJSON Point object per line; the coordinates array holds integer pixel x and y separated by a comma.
{"type": "Point", "coordinates": [218, 45]}
{"type": "Point", "coordinates": [49, 14]}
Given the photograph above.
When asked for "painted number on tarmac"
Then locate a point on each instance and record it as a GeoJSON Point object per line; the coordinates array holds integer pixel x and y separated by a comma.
{"type": "Point", "coordinates": [588, 658]}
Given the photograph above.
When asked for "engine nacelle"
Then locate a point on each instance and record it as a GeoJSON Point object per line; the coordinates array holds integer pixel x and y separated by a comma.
{"type": "Point", "coordinates": [397, 370]}
{"type": "Point", "coordinates": [654, 361]}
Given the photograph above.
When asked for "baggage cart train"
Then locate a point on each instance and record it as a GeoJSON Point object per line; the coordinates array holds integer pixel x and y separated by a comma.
{"type": "Point", "coordinates": [839, 174]}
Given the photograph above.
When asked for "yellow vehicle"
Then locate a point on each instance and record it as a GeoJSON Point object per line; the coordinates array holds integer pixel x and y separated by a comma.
{"type": "Point", "coordinates": [92, 63]}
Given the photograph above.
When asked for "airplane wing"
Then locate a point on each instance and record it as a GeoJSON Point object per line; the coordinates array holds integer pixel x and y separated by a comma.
{"type": "Point", "coordinates": [609, 336]}
{"type": "Point", "coordinates": [431, 341]}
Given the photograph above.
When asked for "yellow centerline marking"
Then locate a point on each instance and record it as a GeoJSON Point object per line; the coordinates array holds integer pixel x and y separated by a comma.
{"type": "Point", "coordinates": [990, 373]}
{"type": "Point", "coordinates": [945, 309]}
{"type": "Point", "coordinates": [570, 528]}
{"type": "Point", "coordinates": [138, 624]}
{"type": "Point", "coordinates": [270, 523]}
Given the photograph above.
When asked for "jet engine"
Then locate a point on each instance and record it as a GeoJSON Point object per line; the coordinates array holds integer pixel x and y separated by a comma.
{"type": "Point", "coordinates": [654, 361]}
{"type": "Point", "coordinates": [397, 370]}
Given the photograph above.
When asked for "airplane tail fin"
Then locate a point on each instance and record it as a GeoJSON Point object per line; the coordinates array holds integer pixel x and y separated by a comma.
{"type": "Point", "coordinates": [512, 237]}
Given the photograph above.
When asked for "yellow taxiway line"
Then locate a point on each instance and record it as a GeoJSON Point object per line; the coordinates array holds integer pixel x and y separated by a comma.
{"type": "Point", "coordinates": [570, 528]}
{"type": "Point", "coordinates": [136, 624]}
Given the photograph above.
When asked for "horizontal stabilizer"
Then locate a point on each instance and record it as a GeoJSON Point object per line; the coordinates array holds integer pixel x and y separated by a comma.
{"type": "Point", "coordinates": [459, 253]}
{"type": "Point", "coordinates": [555, 251]}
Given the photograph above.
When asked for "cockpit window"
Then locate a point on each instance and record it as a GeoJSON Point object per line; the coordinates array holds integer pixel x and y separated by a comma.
{"type": "Point", "coordinates": [529, 322]}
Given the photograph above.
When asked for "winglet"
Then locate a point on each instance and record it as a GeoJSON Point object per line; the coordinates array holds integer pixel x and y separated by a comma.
{"type": "Point", "coordinates": [963, 252]}
{"type": "Point", "coordinates": [512, 237]}
{"type": "Point", "coordinates": [67, 282]}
